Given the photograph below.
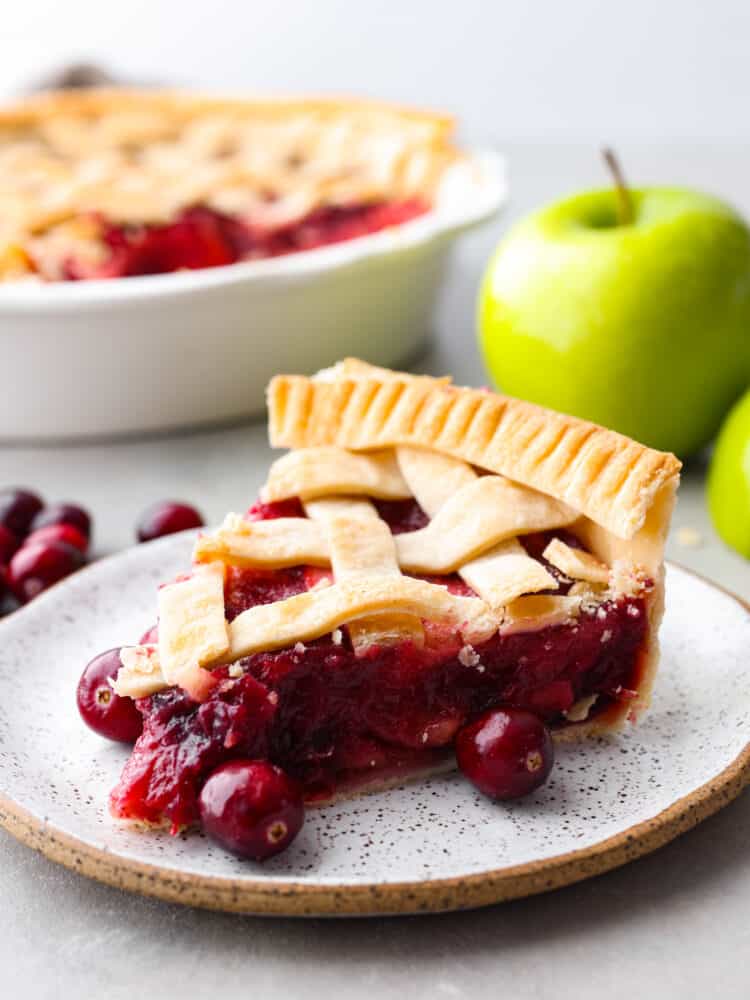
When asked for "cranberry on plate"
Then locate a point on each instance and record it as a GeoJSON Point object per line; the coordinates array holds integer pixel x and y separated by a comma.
{"type": "Point", "coordinates": [251, 808]}
{"type": "Point", "coordinates": [38, 565]}
{"type": "Point", "coordinates": [506, 753]}
{"type": "Point", "coordinates": [165, 518]}
{"type": "Point", "coordinates": [18, 508]}
{"type": "Point", "coordinates": [101, 709]}
{"type": "Point", "coordinates": [63, 513]}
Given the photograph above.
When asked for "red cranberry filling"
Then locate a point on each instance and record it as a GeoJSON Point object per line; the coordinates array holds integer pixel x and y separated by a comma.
{"type": "Point", "coordinates": [201, 237]}
{"type": "Point", "coordinates": [327, 718]}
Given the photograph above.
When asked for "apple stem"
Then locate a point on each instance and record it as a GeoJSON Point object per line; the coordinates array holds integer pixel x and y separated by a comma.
{"type": "Point", "coordinates": [625, 212]}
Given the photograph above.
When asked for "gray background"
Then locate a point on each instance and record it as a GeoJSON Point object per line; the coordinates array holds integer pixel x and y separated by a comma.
{"type": "Point", "coordinates": [547, 82]}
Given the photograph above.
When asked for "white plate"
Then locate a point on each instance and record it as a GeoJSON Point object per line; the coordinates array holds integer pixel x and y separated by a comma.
{"type": "Point", "coordinates": [432, 845]}
{"type": "Point", "coordinates": [163, 351]}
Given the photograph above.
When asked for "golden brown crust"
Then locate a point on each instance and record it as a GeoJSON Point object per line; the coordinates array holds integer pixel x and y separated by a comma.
{"type": "Point", "coordinates": [605, 476]}
{"type": "Point", "coordinates": [137, 157]}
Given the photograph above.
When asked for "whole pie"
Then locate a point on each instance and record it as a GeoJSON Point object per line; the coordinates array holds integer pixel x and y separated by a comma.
{"type": "Point", "coordinates": [110, 183]}
{"type": "Point", "coordinates": [422, 554]}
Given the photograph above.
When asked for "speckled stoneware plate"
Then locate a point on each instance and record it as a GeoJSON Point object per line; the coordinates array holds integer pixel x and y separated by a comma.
{"type": "Point", "coordinates": [434, 845]}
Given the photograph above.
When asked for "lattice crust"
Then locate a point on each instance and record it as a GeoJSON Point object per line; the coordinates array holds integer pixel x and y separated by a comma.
{"type": "Point", "coordinates": [306, 616]}
{"type": "Point", "coordinates": [563, 472]}
{"type": "Point", "coordinates": [473, 530]}
{"type": "Point", "coordinates": [141, 673]}
{"type": "Point", "coordinates": [360, 544]}
{"type": "Point", "coordinates": [143, 157]}
{"type": "Point", "coordinates": [322, 472]}
{"type": "Point", "coordinates": [576, 563]}
{"type": "Point", "coordinates": [601, 474]}
{"type": "Point", "coordinates": [486, 512]}
{"type": "Point", "coordinates": [193, 630]}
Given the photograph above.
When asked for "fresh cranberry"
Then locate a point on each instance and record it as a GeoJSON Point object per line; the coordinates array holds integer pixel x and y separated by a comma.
{"type": "Point", "coordinates": [36, 567]}
{"type": "Point", "coordinates": [18, 509]}
{"type": "Point", "coordinates": [59, 533]}
{"type": "Point", "coordinates": [252, 808]}
{"type": "Point", "coordinates": [506, 753]}
{"type": "Point", "coordinates": [8, 545]}
{"type": "Point", "coordinates": [63, 513]}
{"type": "Point", "coordinates": [101, 709]}
{"type": "Point", "coordinates": [165, 518]}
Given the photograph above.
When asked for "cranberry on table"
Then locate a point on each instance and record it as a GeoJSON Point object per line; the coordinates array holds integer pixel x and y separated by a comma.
{"type": "Point", "coordinates": [251, 808]}
{"type": "Point", "coordinates": [18, 508]}
{"type": "Point", "coordinates": [101, 709]}
{"type": "Point", "coordinates": [8, 545]}
{"type": "Point", "coordinates": [506, 753]}
{"type": "Point", "coordinates": [166, 518]}
{"type": "Point", "coordinates": [63, 513]}
{"type": "Point", "coordinates": [59, 533]}
{"type": "Point", "coordinates": [36, 567]}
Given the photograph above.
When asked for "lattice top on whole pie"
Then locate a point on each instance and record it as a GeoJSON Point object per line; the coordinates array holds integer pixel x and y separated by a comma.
{"type": "Point", "coordinates": [488, 472]}
{"type": "Point", "coordinates": [84, 175]}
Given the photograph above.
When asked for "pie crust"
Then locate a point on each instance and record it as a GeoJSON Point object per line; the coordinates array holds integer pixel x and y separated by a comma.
{"type": "Point", "coordinates": [138, 158]}
{"type": "Point", "coordinates": [490, 473]}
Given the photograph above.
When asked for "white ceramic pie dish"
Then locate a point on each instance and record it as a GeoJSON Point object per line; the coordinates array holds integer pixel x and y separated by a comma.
{"type": "Point", "coordinates": [170, 351]}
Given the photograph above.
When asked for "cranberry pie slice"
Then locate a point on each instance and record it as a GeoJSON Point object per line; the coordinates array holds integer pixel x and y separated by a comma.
{"type": "Point", "coordinates": [424, 553]}
{"type": "Point", "coordinates": [111, 183]}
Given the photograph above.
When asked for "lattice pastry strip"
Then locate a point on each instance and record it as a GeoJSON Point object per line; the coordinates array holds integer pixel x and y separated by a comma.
{"type": "Point", "coordinates": [576, 563]}
{"type": "Point", "coordinates": [193, 634]}
{"type": "Point", "coordinates": [269, 627]}
{"type": "Point", "coordinates": [306, 616]}
{"type": "Point", "coordinates": [473, 528]}
{"type": "Point", "coordinates": [504, 572]}
{"type": "Point", "coordinates": [140, 674]}
{"type": "Point", "coordinates": [192, 623]}
{"type": "Point", "coordinates": [323, 472]}
{"type": "Point", "coordinates": [606, 477]}
{"type": "Point", "coordinates": [361, 544]}
{"type": "Point", "coordinates": [274, 544]}
{"type": "Point", "coordinates": [487, 511]}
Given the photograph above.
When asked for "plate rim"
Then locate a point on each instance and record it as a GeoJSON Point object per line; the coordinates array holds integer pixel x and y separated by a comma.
{"type": "Point", "coordinates": [261, 897]}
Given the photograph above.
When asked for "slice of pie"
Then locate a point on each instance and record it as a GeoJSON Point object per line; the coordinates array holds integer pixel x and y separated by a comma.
{"type": "Point", "coordinates": [111, 183]}
{"type": "Point", "coordinates": [422, 554]}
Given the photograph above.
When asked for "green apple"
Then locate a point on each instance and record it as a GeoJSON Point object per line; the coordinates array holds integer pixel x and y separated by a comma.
{"type": "Point", "coordinates": [729, 479]}
{"type": "Point", "coordinates": [642, 326]}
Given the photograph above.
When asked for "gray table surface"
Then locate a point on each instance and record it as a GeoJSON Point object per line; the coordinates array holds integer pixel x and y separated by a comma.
{"type": "Point", "coordinates": [671, 925]}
